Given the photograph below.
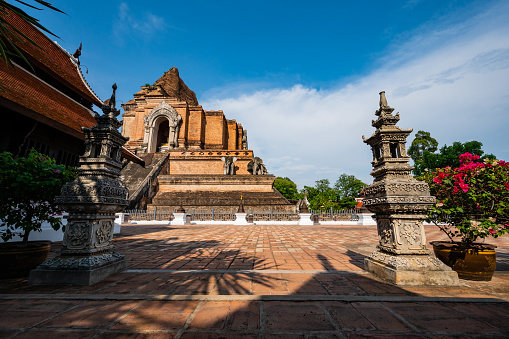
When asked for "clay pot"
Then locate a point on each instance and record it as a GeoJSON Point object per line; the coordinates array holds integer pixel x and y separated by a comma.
{"type": "Point", "coordinates": [17, 258]}
{"type": "Point", "coordinates": [471, 262]}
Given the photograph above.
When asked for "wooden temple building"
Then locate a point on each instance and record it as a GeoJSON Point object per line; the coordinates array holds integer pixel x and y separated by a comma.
{"type": "Point", "coordinates": [45, 104]}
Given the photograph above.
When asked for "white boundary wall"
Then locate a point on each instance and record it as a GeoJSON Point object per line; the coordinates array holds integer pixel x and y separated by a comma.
{"type": "Point", "coordinates": [48, 233]}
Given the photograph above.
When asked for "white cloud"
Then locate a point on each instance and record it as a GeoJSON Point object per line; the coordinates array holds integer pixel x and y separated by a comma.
{"type": "Point", "coordinates": [132, 26]}
{"type": "Point", "coordinates": [455, 87]}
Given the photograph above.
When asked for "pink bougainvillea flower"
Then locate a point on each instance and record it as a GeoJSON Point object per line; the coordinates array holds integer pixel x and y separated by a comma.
{"type": "Point", "coordinates": [506, 185]}
{"type": "Point", "coordinates": [455, 190]}
{"type": "Point", "coordinates": [468, 157]}
{"type": "Point", "coordinates": [56, 171]}
{"type": "Point", "coordinates": [491, 231]}
{"type": "Point", "coordinates": [463, 186]}
{"type": "Point", "coordinates": [437, 180]}
{"type": "Point", "coordinates": [459, 176]}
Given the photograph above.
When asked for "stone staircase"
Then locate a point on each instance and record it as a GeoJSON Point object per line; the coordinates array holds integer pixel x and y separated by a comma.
{"type": "Point", "coordinates": [138, 179]}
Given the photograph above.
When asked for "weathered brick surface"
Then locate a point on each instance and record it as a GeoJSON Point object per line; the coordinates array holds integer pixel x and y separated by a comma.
{"type": "Point", "coordinates": [200, 129]}
{"type": "Point", "coordinates": [205, 137]}
{"type": "Point", "coordinates": [202, 192]}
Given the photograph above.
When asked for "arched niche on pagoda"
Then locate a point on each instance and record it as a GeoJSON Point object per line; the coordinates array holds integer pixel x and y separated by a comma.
{"type": "Point", "coordinates": [162, 127]}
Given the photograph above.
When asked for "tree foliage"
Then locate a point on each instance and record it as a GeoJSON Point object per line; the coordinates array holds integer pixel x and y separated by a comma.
{"type": "Point", "coordinates": [423, 142]}
{"type": "Point", "coordinates": [286, 187]}
{"type": "Point", "coordinates": [449, 156]}
{"type": "Point", "coordinates": [28, 187]}
{"type": "Point", "coordinates": [342, 196]}
{"type": "Point", "coordinates": [349, 186]}
{"type": "Point", "coordinates": [472, 198]}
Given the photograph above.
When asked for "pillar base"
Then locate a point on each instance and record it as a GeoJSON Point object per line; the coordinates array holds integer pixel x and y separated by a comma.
{"type": "Point", "coordinates": [410, 270]}
{"type": "Point", "coordinates": [305, 219]}
{"type": "Point", "coordinates": [240, 219]}
{"type": "Point", "coordinates": [178, 219]}
{"type": "Point", "coordinates": [75, 270]}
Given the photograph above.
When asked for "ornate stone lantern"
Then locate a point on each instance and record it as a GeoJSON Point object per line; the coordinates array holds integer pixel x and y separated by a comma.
{"type": "Point", "coordinates": [91, 200]}
{"type": "Point", "coordinates": [400, 204]}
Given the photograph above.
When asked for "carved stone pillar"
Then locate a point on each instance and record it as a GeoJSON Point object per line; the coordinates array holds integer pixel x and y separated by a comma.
{"type": "Point", "coordinates": [400, 204]}
{"type": "Point", "coordinates": [91, 200]}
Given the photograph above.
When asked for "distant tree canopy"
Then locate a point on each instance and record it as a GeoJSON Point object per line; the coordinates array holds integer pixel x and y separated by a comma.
{"type": "Point", "coordinates": [322, 196]}
{"type": "Point", "coordinates": [286, 187]}
{"type": "Point", "coordinates": [349, 186]}
{"type": "Point", "coordinates": [425, 153]}
{"type": "Point", "coordinates": [422, 142]}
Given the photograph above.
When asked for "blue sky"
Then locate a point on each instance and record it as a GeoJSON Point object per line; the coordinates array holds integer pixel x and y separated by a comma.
{"type": "Point", "coordinates": [303, 77]}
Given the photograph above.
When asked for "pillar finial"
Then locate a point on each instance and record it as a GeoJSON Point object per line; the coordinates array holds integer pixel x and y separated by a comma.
{"type": "Point", "coordinates": [383, 100]}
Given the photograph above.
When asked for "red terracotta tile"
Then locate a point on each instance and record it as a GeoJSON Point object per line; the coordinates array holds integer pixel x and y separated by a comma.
{"type": "Point", "coordinates": [437, 318]}
{"type": "Point", "coordinates": [212, 315]}
{"type": "Point", "coordinates": [380, 317]}
{"type": "Point", "coordinates": [295, 316]}
{"type": "Point", "coordinates": [93, 314]}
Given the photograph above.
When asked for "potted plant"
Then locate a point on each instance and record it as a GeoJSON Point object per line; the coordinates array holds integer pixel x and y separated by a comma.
{"type": "Point", "coordinates": [28, 187]}
{"type": "Point", "coordinates": [472, 204]}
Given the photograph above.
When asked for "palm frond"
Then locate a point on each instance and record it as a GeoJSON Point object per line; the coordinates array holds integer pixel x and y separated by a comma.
{"type": "Point", "coordinates": [8, 32]}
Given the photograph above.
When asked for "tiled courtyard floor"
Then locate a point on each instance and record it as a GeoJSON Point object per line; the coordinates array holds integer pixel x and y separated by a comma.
{"type": "Point", "coordinates": [254, 282]}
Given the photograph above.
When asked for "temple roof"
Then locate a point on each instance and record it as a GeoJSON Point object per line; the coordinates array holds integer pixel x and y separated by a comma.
{"type": "Point", "coordinates": [51, 106]}
{"type": "Point", "coordinates": [51, 58]}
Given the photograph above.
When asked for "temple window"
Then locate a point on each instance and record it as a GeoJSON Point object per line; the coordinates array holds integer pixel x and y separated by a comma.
{"type": "Point", "coordinates": [113, 153]}
{"type": "Point", "coordinates": [394, 150]}
{"type": "Point", "coordinates": [95, 150]}
{"type": "Point", "coordinates": [377, 153]}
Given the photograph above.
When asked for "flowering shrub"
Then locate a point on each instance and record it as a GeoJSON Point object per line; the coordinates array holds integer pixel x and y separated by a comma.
{"type": "Point", "coordinates": [472, 200]}
{"type": "Point", "coordinates": [28, 187]}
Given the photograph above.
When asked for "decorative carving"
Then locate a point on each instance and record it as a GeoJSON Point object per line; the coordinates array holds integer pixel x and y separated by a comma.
{"type": "Point", "coordinates": [400, 203]}
{"type": "Point", "coordinates": [104, 233]}
{"type": "Point", "coordinates": [81, 263]}
{"type": "Point", "coordinates": [244, 140]}
{"type": "Point", "coordinates": [398, 262]}
{"type": "Point", "coordinates": [229, 165]}
{"type": "Point", "coordinates": [411, 233]}
{"type": "Point", "coordinates": [174, 121]}
{"type": "Point", "coordinates": [256, 167]}
{"type": "Point", "coordinates": [93, 198]}
{"type": "Point", "coordinates": [385, 232]}
{"type": "Point", "coordinates": [76, 235]}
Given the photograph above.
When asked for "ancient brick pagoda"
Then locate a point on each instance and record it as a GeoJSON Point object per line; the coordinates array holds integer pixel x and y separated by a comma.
{"type": "Point", "coordinates": [400, 204]}
{"type": "Point", "coordinates": [195, 158]}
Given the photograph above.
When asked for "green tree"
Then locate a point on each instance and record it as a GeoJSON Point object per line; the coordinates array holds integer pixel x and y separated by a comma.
{"type": "Point", "coordinates": [449, 156]}
{"type": "Point", "coordinates": [28, 187]}
{"type": "Point", "coordinates": [286, 187]}
{"type": "Point", "coordinates": [8, 32]}
{"type": "Point", "coordinates": [324, 197]}
{"type": "Point", "coordinates": [348, 185]}
{"type": "Point", "coordinates": [423, 142]}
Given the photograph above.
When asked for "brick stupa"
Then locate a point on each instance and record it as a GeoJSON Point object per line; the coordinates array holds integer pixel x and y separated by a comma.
{"type": "Point", "coordinates": [195, 158]}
